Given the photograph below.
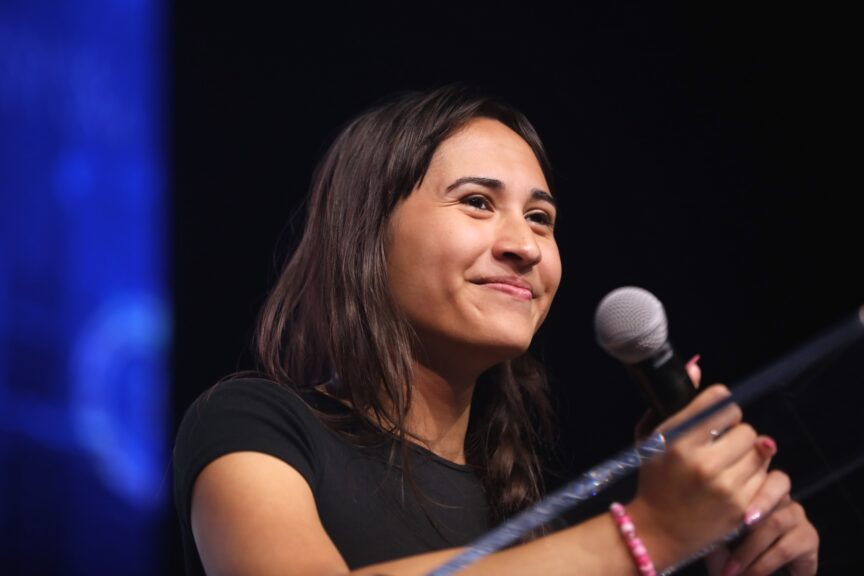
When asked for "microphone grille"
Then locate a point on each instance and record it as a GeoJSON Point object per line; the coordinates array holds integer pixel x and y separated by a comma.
{"type": "Point", "coordinates": [630, 324]}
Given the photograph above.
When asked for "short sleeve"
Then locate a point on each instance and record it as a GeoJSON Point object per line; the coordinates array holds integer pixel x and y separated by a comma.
{"type": "Point", "coordinates": [238, 416]}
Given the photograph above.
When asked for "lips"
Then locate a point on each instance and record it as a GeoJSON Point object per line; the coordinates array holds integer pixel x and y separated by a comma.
{"type": "Point", "coordinates": [513, 285]}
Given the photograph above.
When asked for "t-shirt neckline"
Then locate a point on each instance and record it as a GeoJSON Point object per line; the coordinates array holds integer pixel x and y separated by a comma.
{"type": "Point", "coordinates": [419, 448]}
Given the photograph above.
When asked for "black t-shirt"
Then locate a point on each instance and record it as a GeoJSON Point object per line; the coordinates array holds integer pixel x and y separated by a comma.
{"type": "Point", "coordinates": [368, 509]}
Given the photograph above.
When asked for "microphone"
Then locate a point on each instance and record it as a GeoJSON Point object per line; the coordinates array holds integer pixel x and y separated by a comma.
{"type": "Point", "coordinates": [630, 324]}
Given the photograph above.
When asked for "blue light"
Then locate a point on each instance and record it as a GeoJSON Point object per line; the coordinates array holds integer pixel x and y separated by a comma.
{"type": "Point", "coordinates": [85, 319]}
{"type": "Point", "coordinates": [117, 411]}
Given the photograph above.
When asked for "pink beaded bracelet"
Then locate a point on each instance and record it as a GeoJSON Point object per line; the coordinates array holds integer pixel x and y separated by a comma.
{"type": "Point", "coordinates": [634, 544]}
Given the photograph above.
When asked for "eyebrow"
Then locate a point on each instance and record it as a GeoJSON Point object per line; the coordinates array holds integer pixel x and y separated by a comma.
{"type": "Point", "coordinates": [495, 184]}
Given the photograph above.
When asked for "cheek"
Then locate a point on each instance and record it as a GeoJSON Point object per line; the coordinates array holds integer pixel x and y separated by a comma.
{"type": "Point", "coordinates": [416, 263]}
{"type": "Point", "coordinates": [442, 249]}
{"type": "Point", "coordinates": [430, 271]}
{"type": "Point", "coordinates": [551, 268]}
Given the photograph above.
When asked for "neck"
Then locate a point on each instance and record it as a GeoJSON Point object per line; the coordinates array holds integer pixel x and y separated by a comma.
{"type": "Point", "coordinates": [439, 412]}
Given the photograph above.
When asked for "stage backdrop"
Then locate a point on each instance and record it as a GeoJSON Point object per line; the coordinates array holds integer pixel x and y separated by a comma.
{"type": "Point", "coordinates": [85, 319]}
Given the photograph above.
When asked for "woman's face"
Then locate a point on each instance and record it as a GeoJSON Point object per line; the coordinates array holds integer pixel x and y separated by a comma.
{"type": "Point", "coordinates": [472, 258]}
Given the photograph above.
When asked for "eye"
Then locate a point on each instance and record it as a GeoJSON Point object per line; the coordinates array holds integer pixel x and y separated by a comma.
{"type": "Point", "coordinates": [542, 218]}
{"type": "Point", "coordinates": [477, 202]}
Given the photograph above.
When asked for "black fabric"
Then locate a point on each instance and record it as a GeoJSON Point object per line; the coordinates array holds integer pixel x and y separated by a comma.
{"type": "Point", "coordinates": [368, 510]}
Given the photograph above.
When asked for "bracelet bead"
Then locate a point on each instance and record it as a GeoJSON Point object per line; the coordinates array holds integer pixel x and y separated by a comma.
{"type": "Point", "coordinates": [634, 544]}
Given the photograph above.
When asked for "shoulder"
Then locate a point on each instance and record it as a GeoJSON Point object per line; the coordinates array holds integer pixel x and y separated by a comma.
{"type": "Point", "coordinates": [244, 396]}
{"type": "Point", "coordinates": [246, 415]}
{"type": "Point", "coordinates": [234, 409]}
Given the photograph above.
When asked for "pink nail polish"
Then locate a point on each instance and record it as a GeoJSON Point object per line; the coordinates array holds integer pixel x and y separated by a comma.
{"type": "Point", "coordinates": [752, 515]}
{"type": "Point", "coordinates": [695, 359]}
{"type": "Point", "coordinates": [768, 445]}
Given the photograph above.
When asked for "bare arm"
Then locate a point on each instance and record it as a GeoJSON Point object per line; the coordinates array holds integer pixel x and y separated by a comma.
{"type": "Point", "coordinates": [254, 514]}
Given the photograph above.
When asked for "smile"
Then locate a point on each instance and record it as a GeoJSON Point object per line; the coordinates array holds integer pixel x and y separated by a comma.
{"type": "Point", "coordinates": [515, 287]}
{"type": "Point", "coordinates": [520, 293]}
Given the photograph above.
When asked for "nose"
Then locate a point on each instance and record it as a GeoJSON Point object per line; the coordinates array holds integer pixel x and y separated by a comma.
{"type": "Point", "coordinates": [517, 243]}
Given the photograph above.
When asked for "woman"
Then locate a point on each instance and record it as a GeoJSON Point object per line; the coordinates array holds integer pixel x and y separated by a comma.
{"type": "Point", "coordinates": [395, 420]}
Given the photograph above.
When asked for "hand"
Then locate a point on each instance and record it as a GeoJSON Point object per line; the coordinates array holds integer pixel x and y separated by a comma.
{"type": "Point", "coordinates": [784, 536]}
{"type": "Point", "coordinates": [702, 488]}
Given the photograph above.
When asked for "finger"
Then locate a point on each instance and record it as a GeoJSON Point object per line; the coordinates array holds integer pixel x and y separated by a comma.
{"type": "Point", "coordinates": [759, 540]}
{"type": "Point", "coordinates": [780, 555]}
{"type": "Point", "coordinates": [751, 488]}
{"type": "Point", "coordinates": [766, 446]}
{"type": "Point", "coordinates": [694, 371]}
{"type": "Point", "coordinates": [735, 454]}
{"type": "Point", "coordinates": [727, 417]}
{"type": "Point", "coordinates": [768, 496]}
{"type": "Point", "coordinates": [753, 464]}
{"type": "Point", "coordinates": [705, 398]}
{"type": "Point", "coordinates": [795, 546]}
{"type": "Point", "coordinates": [741, 480]}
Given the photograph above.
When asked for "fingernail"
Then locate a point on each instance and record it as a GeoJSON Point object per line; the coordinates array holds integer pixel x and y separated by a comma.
{"type": "Point", "coordinates": [695, 359]}
{"type": "Point", "coordinates": [769, 447]}
{"type": "Point", "coordinates": [752, 515]}
{"type": "Point", "coordinates": [732, 568]}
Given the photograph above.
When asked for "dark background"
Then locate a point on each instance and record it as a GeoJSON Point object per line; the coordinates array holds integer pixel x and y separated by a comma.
{"type": "Point", "coordinates": [703, 152]}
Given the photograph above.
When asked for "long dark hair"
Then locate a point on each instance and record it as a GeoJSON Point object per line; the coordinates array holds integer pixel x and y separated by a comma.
{"type": "Point", "coordinates": [331, 312]}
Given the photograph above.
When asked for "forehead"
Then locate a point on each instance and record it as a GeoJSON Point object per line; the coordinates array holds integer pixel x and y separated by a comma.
{"type": "Point", "coordinates": [487, 147]}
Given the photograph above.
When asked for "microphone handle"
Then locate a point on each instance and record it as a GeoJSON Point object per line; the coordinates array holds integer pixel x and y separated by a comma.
{"type": "Point", "coordinates": [663, 382]}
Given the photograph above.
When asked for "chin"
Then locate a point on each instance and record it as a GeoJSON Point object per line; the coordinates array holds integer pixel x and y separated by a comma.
{"type": "Point", "coordinates": [502, 351]}
{"type": "Point", "coordinates": [478, 347]}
